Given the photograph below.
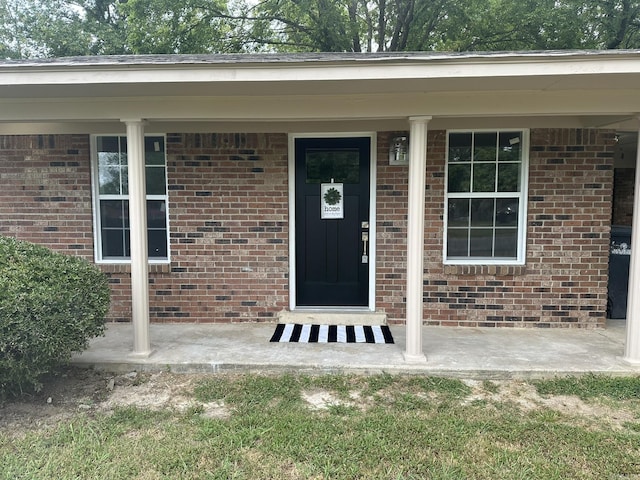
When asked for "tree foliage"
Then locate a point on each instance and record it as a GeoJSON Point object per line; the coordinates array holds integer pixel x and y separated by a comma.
{"type": "Point", "coordinates": [50, 28]}
{"type": "Point", "coordinates": [170, 26]}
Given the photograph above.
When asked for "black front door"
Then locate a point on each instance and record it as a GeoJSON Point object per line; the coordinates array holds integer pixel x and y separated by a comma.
{"type": "Point", "coordinates": [332, 253]}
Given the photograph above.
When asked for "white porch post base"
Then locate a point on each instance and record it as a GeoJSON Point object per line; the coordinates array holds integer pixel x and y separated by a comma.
{"type": "Point", "coordinates": [632, 346]}
{"type": "Point", "coordinates": [415, 238]}
{"type": "Point", "coordinates": [420, 358]}
{"type": "Point", "coordinates": [140, 355]}
{"type": "Point", "coordinates": [631, 361]}
{"type": "Point", "coordinates": [138, 235]}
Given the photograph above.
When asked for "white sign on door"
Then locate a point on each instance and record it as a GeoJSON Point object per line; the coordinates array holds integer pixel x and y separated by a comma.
{"type": "Point", "coordinates": [331, 200]}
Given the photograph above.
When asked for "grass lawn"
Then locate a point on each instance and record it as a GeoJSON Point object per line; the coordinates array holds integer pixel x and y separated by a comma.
{"type": "Point", "coordinates": [344, 427]}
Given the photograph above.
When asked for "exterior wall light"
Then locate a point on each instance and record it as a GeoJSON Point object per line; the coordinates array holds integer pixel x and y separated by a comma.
{"type": "Point", "coordinates": [399, 150]}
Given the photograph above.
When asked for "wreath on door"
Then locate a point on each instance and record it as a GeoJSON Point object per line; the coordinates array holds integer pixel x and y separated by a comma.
{"type": "Point", "coordinates": [332, 196]}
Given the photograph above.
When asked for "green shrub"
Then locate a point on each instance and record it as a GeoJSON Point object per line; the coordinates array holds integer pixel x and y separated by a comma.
{"type": "Point", "coordinates": [50, 306]}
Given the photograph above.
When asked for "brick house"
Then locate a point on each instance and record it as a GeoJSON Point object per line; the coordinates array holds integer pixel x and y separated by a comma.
{"type": "Point", "coordinates": [440, 189]}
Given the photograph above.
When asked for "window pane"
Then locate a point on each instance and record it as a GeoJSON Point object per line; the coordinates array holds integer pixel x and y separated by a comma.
{"type": "Point", "coordinates": [507, 212]}
{"type": "Point", "coordinates": [109, 180]}
{"type": "Point", "coordinates": [154, 150]}
{"type": "Point", "coordinates": [110, 163]}
{"type": "Point", "coordinates": [114, 221]}
{"type": "Point", "coordinates": [125, 181]}
{"type": "Point", "coordinates": [482, 212]}
{"type": "Point", "coordinates": [157, 243]}
{"type": "Point", "coordinates": [125, 209]}
{"type": "Point", "coordinates": [113, 242]}
{"type": "Point", "coordinates": [509, 177]}
{"type": "Point", "coordinates": [156, 214]}
{"type": "Point", "coordinates": [109, 159]}
{"type": "Point", "coordinates": [343, 166]}
{"type": "Point", "coordinates": [458, 212]}
{"type": "Point", "coordinates": [113, 214]}
{"type": "Point", "coordinates": [155, 180]}
{"type": "Point", "coordinates": [484, 177]}
{"type": "Point", "coordinates": [484, 147]}
{"type": "Point", "coordinates": [457, 242]}
{"type": "Point", "coordinates": [459, 177]}
{"type": "Point", "coordinates": [510, 147]}
{"type": "Point", "coordinates": [108, 144]}
{"type": "Point", "coordinates": [127, 243]}
{"type": "Point", "coordinates": [154, 158]}
{"type": "Point", "coordinates": [481, 242]}
{"type": "Point", "coordinates": [506, 242]}
{"type": "Point", "coordinates": [460, 147]}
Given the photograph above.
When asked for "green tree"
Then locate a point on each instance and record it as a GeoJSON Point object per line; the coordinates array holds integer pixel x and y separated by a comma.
{"type": "Point", "coordinates": [304, 25]}
{"type": "Point", "coordinates": [45, 28]}
{"type": "Point", "coordinates": [542, 25]}
{"type": "Point", "coordinates": [10, 42]}
{"type": "Point", "coordinates": [611, 23]}
{"type": "Point", "coordinates": [176, 26]}
{"type": "Point", "coordinates": [489, 25]}
{"type": "Point", "coordinates": [454, 25]}
{"type": "Point", "coordinates": [105, 23]}
{"type": "Point", "coordinates": [57, 28]}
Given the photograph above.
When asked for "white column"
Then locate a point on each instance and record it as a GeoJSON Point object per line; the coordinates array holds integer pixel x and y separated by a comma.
{"type": "Point", "coordinates": [632, 347]}
{"type": "Point", "coordinates": [138, 225]}
{"type": "Point", "coordinates": [415, 238]}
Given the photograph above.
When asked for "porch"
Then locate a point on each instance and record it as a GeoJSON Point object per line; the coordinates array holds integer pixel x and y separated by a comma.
{"type": "Point", "coordinates": [416, 95]}
{"type": "Point", "coordinates": [479, 353]}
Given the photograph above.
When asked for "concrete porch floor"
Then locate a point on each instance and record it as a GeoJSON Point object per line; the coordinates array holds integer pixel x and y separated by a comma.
{"type": "Point", "coordinates": [482, 353]}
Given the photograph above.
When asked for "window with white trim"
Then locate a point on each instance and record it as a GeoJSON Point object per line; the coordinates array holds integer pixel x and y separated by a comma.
{"type": "Point", "coordinates": [112, 199]}
{"type": "Point", "coordinates": [486, 182]}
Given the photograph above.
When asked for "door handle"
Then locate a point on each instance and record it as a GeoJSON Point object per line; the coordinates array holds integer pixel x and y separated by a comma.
{"type": "Point", "coordinates": [365, 241]}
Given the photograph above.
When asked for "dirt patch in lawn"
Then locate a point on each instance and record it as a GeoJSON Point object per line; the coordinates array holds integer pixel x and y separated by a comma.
{"type": "Point", "coordinates": [526, 397]}
{"type": "Point", "coordinates": [89, 392]}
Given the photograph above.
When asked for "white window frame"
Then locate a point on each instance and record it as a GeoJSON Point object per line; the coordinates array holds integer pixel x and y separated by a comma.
{"type": "Point", "coordinates": [97, 197]}
{"type": "Point", "coordinates": [522, 195]}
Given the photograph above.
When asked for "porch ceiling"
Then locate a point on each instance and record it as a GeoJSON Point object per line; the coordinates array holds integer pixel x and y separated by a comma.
{"type": "Point", "coordinates": [576, 88]}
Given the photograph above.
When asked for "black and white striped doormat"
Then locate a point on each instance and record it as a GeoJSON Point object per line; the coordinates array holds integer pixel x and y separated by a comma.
{"type": "Point", "coordinates": [295, 332]}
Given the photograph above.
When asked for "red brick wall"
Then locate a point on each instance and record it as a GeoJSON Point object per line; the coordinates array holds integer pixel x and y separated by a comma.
{"type": "Point", "coordinates": [45, 191]}
{"type": "Point", "coordinates": [391, 235]}
{"type": "Point", "coordinates": [228, 206]}
{"type": "Point", "coordinates": [623, 187]}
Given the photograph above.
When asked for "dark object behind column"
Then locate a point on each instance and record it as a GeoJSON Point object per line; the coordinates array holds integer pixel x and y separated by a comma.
{"type": "Point", "coordinates": [619, 257]}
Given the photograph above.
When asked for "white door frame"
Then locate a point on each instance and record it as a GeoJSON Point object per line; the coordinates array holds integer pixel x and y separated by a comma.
{"type": "Point", "coordinates": [372, 218]}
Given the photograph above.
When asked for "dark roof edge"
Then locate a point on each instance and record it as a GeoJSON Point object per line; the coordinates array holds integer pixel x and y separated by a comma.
{"type": "Point", "coordinates": [304, 58]}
